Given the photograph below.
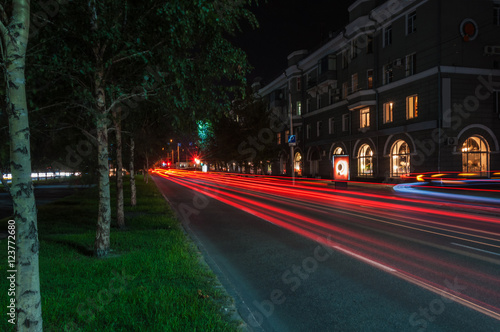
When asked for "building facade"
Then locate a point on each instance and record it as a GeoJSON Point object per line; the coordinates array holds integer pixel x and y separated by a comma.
{"type": "Point", "coordinates": [407, 86]}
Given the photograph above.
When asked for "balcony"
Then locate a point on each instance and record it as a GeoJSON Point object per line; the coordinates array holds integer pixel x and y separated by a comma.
{"type": "Point", "coordinates": [360, 96]}
{"type": "Point", "coordinates": [327, 77]}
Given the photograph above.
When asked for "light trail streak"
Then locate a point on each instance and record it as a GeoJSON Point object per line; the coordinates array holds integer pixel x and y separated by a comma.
{"type": "Point", "coordinates": [275, 200]}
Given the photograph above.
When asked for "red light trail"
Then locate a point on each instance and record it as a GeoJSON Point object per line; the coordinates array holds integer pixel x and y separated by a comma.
{"type": "Point", "coordinates": [398, 235]}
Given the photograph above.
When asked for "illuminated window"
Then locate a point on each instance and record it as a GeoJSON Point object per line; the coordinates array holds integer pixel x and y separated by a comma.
{"type": "Point", "coordinates": [400, 159]}
{"type": "Point", "coordinates": [278, 136]}
{"type": "Point", "coordinates": [411, 107]}
{"type": "Point", "coordinates": [287, 134]}
{"type": "Point", "coordinates": [297, 164]}
{"type": "Point", "coordinates": [369, 78]}
{"type": "Point", "coordinates": [339, 151]}
{"type": "Point", "coordinates": [364, 118]}
{"type": "Point", "coordinates": [365, 161]}
{"type": "Point", "coordinates": [475, 155]}
{"type": "Point", "coordinates": [299, 108]}
{"type": "Point", "coordinates": [388, 112]}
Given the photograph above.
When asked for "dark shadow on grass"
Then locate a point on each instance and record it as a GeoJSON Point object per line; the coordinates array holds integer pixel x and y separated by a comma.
{"type": "Point", "coordinates": [81, 249]}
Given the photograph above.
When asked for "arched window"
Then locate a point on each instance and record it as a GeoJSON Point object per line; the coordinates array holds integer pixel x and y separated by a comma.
{"type": "Point", "coordinates": [297, 164]}
{"type": "Point", "coordinates": [400, 158]}
{"type": "Point", "coordinates": [365, 161]}
{"type": "Point", "coordinates": [338, 150]}
{"type": "Point", "coordinates": [475, 155]}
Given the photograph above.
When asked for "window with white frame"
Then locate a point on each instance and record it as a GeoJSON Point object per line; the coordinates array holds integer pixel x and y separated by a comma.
{"type": "Point", "coordinates": [369, 78]}
{"type": "Point", "coordinates": [345, 122]}
{"type": "Point", "coordinates": [476, 155]}
{"type": "Point", "coordinates": [354, 82]}
{"type": "Point", "coordinates": [388, 75]}
{"type": "Point", "coordinates": [365, 161]}
{"type": "Point", "coordinates": [331, 126]}
{"type": "Point", "coordinates": [299, 108]}
{"type": "Point", "coordinates": [410, 64]}
{"type": "Point", "coordinates": [411, 19]}
{"type": "Point", "coordinates": [354, 48]}
{"type": "Point", "coordinates": [411, 107]}
{"type": "Point", "coordinates": [364, 118]}
{"type": "Point", "coordinates": [400, 158]}
{"type": "Point", "coordinates": [388, 112]}
{"type": "Point", "coordinates": [338, 150]}
{"type": "Point", "coordinates": [318, 128]}
{"type": "Point", "coordinates": [388, 35]}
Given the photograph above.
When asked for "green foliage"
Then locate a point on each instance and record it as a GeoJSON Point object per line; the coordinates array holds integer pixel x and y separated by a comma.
{"type": "Point", "coordinates": [171, 57]}
{"type": "Point", "coordinates": [247, 125]}
{"type": "Point", "coordinates": [151, 281]}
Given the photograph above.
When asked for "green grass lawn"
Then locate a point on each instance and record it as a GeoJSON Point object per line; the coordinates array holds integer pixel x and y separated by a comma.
{"type": "Point", "coordinates": [152, 280]}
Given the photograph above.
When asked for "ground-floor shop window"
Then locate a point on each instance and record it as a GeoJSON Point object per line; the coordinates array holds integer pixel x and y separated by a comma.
{"type": "Point", "coordinates": [400, 159]}
{"type": "Point", "coordinates": [475, 155]}
{"type": "Point", "coordinates": [297, 164]}
{"type": "Point", "coordinates": [365, 161]}
{"type": "Point", "coordinates": [338, 150]}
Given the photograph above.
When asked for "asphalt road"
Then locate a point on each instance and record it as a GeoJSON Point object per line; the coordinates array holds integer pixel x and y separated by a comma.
{"type": "Point", "coordinates": [308, 257]}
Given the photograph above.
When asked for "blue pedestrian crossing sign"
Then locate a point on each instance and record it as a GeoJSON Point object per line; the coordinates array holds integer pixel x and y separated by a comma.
{"type": "Point", "coordinates": [292, 140]}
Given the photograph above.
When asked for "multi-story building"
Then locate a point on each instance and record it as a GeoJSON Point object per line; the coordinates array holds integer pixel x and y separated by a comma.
{"type": "Point", "coordinates": [406, 86]}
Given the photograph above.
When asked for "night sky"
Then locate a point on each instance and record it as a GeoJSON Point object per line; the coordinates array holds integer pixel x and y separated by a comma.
{"type": "Point", "coordinates": [287, 26]}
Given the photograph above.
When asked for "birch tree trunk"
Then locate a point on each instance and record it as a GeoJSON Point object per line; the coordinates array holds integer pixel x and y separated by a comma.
{"type": "Point", "coordinates": [133, 191]}
{"type": "Point", "coordinates": [14, 43]}
{"type": "Point", "coordinates": [102, 241]}
{"type": "Point", "coordinates": [120, 215]}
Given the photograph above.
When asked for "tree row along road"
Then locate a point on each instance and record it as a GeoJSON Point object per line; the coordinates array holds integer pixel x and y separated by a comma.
{"type": "Point", "coordinates": [454, 253]}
